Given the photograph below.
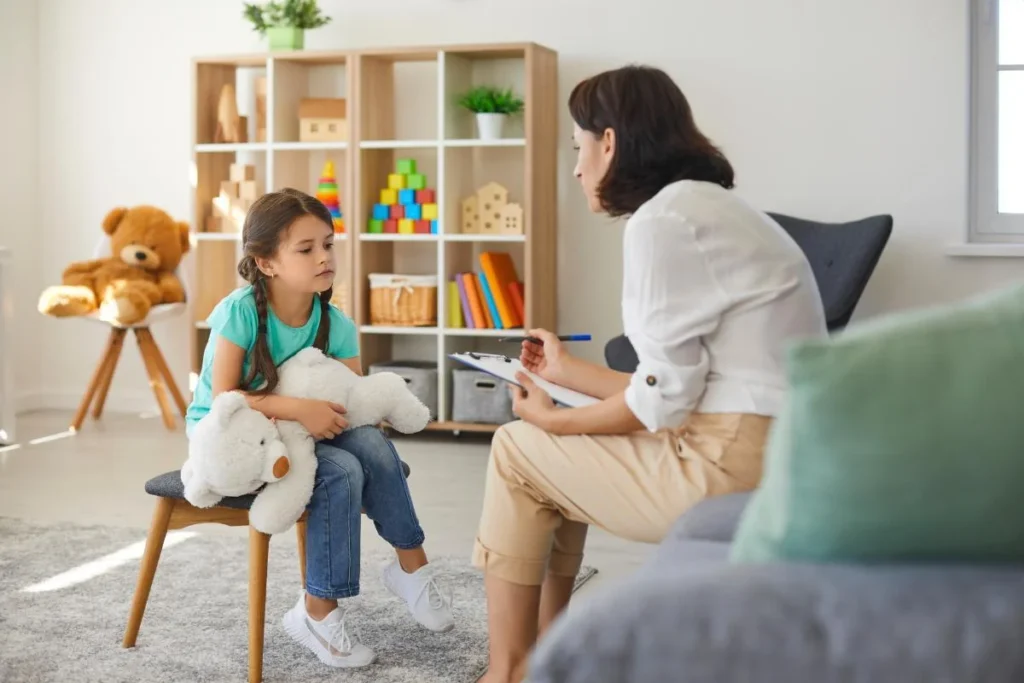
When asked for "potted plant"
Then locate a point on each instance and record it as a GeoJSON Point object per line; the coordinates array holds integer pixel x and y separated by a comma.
{"type": "Point", "coordinates": [285, 22]}
{"type": "Point", "coordinates": [491, 106]}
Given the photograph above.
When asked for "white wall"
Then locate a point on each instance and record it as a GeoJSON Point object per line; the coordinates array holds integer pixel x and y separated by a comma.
{"type": "Point", "coordinates": [19, 168]}
{"type": "Point", "coordinates": [829, 110]}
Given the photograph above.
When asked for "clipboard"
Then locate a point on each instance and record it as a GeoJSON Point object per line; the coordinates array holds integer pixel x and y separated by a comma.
{"type": "Point", "coordinates": [505, 369]}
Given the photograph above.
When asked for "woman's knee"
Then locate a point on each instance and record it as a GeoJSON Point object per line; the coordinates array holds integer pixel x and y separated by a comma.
{"type": "Point", "coordinates": [334, 464]}
{"type": "Point", "coordinates": [507, 449]}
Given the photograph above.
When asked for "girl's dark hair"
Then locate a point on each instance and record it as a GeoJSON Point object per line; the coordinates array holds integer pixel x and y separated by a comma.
{"type": "Point", "coordinates": [656, 139]}
{"type": "Point", "coordinates": [270, 216]}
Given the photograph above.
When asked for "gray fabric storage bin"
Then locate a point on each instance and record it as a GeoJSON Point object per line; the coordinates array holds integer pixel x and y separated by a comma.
{"type": "Point", "coordinates": [420, 375]}
{"type": "Point", "coordinates": [479, 397]}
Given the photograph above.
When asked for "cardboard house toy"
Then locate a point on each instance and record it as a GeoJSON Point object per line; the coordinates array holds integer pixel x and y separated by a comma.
{"type": "Point", "coordinates": [488, 212]}
{"type": "Point", "coordinates": [323, 120]}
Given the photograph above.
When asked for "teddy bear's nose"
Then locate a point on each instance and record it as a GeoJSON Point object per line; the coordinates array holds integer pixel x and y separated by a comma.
{"type": "Point", "coordinates": [140, 256]}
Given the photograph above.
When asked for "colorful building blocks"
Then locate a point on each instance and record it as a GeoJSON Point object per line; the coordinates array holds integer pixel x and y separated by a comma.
{"type": "Point", "coordinates": [405, 166]}
{"type": "Point", "coordinates": [407, 206]}
{"type": "Point", "coordinates": [391, 225]}
{"type": "Point", "coordinates": [406, 226]}
{"type": "Point", "coordinates": [397, 211]}
{"type": "Point", "coordinates": [425, 196]}
{"type": "Point", "coordinates": [388, 197]}
{"type": "Point", "coordinates": [381, 212]}
{"type": "Point", "coordinates": [376, 226]}
{"type": "Point", "coordinates": [433, 227]}
{"type": "Point", "coordinates": [396, 181]}
{"type": "Point", "coordinates": [415, 181]}
{"type": "Point", "coordinates": [429, 211]}
{"type": "Point", "coordinates": [413, 211]}
{"type": "Point", "coordinates": [422, 227]}
{"type": "Point", "coordinates": [407, 196]}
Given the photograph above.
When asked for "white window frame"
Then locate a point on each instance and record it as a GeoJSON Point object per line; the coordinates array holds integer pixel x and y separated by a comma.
{"type": "Point", "coordinates": [987, 225]}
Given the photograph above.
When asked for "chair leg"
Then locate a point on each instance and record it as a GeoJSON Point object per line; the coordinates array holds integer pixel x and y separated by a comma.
{"type": "Point", "coordinates": [108, 372]}
{"type": "Point", "coordinates": [300, 531]}
{"type": "Point", "coordinates": [155, 381]}
{"type": "Point", "coordinates": [147, 569]}
{"type": "Point", "coordinates": [94, 382]}
{"type": "Point", "coordinates": [259, 550]}
{"type": "Point", "coordinates": [165, 371]}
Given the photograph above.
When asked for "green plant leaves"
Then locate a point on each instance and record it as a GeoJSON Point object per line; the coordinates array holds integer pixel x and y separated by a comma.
{"type": "Point", "coordinates": [485, 99]}
{"type": "Point", "coordinates": [303, 14]}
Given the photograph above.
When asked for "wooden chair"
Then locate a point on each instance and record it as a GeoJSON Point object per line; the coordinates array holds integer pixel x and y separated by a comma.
{"type": "Point", "coordinates": [174, 512]}
{"type": "Point", "coordinates": [160, 378]}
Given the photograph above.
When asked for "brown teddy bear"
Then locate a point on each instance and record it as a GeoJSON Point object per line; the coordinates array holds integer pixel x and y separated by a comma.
{"type": "Point", "coordinates": [147, 246]}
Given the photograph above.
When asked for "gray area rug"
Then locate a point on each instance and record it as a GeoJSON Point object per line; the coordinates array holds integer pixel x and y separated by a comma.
{"type": "Point", "coordinates": [69, 624]}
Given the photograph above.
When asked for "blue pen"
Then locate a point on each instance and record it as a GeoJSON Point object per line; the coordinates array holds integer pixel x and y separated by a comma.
{"type": "Point", "coordinates": [535, 340]}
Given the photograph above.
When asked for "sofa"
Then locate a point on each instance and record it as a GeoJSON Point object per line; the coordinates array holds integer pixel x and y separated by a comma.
{"type": "Point", "coordinates": [691, 616]}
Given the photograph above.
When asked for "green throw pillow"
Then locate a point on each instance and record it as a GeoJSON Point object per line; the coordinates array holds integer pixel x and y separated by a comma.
{"type": "Point", "coordinates": [902, 440]}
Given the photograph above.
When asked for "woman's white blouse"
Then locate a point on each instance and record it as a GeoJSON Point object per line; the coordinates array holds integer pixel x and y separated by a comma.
{"type": "Point", "coordinates": [713, 293]}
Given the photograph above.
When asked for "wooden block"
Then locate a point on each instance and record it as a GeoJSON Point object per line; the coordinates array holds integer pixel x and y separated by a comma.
{"type": "Point", "coordinates": [425, 196]}
{"type": "Point", "coordinates": [381, 212]}
{"type": "Point", "coordinates": [397, 211]}
{"type": "Point", "coordinates": [405, 166]}
{"type": "Point", "coordinates": [416, 181]}
{"type": "Point", "coordinates": [248, 190]}
{"type": "Point", "coordinates": [433, 227]}
{"type": "Point", "coordinates": [229, 189]}
{"type": "Point", "coordinates": [376, 226]}
{"type": "Point", "coordinates": [406, 226]}
{"type": "Point", "coordinates": [396, 181]}
{"type": "Point", "coordinates": [391, 225]}
{"type": "Point", "coordinates": [388, 197]}
{"type": "Point", "coordinates": [240, 172]}
{"type": "Point", "coordinates": [414, 211]}
{"type": "Point", "coordinates": [407, 196]}
{"type": "Point", "coordinates": [511, 221]}
{"type": "Point", "coordinates": [430, 211]}
{"type": "Point", "coordinates": [213, 223]}
{"type": "Point", "coordinates": [421, 227]}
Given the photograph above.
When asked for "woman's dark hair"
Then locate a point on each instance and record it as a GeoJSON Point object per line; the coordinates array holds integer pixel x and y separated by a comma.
{"type": "Point", "coordinates": [270, 216]}
{"type": "Point", "coordinates": [656, 139]}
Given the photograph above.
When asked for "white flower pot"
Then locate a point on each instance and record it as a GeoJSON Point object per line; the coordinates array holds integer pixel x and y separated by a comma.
{"type": "Point", "coordinates": [489, 126]}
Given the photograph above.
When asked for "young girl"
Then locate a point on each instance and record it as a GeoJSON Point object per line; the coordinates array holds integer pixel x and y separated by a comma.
{"type": "Point", "coordinates": [288, 246]}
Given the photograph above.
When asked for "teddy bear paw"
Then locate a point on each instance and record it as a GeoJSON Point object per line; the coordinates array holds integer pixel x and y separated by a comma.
{"type": "Point", "coordinates": [63, 302]}
{"type": "Point", "coordinates": [122, 309]}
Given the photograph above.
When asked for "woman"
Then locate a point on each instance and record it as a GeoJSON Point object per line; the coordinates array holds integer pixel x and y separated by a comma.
{"type": "Point", "coordinates": [713, 292]}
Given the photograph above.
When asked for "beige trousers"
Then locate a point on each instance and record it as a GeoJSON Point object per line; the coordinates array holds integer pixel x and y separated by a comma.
{"type": "Point", "coordinates": [543, 491]}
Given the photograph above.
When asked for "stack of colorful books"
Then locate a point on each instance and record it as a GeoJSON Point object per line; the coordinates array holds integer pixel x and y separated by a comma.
{"type": "Point", "coordinates": [490, 298]}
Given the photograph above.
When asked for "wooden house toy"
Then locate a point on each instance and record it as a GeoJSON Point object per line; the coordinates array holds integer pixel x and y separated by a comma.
{"type": "Point", "coordinates": [323, 120]}
{"type": "Point", "coordinates": [489, 212]}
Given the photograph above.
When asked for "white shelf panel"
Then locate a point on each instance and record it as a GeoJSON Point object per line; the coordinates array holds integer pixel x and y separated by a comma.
{"type": "Point", "coordinates": [483, 332]}
{"type": "Point", "coordinates": [306, 146]}
{"type": "Point", "coordinates": [386, 329]}
{"type": "Point", "coordinates": [396, 237]}
{"type": "Point", "coordinates": [210, 148]}
{"type": "Point", "coordinates": [458, 237]}
{"type": "Point", "coordinates": [471, 142]}
{"type": "Point", "coordinates": [217, 236]}
{"type": "Point", "coordinates": [397, 144]}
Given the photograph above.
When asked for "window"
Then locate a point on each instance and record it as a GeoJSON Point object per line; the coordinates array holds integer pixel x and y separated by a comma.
{"type": "Point", "coordinates": [997, 120]}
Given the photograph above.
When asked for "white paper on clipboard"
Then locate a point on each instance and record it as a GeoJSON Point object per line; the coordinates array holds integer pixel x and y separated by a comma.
{"type": "Point", "coordinates": [505, 369]}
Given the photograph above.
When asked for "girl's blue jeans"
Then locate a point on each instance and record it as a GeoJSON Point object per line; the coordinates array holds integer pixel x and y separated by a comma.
{"type": "Point", "coordinates": [356, 470]}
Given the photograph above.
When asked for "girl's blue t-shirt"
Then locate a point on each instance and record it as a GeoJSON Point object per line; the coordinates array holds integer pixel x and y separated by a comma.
{"type": "Point", "coordinates": [235, 318]}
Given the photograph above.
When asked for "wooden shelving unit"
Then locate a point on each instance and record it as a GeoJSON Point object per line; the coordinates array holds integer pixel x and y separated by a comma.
{"type": "Point", "coordinates": [401, 104]}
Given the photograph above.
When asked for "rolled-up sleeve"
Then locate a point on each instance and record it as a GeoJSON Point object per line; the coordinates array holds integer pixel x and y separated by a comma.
{"type": "Point", "coordinates": [670, 303]}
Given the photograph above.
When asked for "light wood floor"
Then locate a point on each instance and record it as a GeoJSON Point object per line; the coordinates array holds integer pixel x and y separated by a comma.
{"type": "Point", "coordinates": [96, 477]}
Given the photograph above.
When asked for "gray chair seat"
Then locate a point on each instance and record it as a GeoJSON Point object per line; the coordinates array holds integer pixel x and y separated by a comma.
{"type": "Point", "coordinates": [168, 485]}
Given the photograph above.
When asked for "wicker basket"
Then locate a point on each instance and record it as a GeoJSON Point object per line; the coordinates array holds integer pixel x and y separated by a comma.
{"type": "Point", "coordinates": [403, 300]}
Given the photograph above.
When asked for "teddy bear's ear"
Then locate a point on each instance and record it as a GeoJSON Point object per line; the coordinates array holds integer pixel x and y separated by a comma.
{"type": "Point", "coordinates": [185, 243]}
{"type": "Point", "coordinates": [113, 219]}
{"type": "Point", "coordinates": [225, 406]}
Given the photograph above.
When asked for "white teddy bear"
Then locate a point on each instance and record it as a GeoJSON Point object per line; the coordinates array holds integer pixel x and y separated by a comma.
{"type": "Point", "coordinates": [231, 443]}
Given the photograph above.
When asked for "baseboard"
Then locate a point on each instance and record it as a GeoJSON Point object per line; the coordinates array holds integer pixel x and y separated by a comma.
{"type": "Point", "coordinates": [117, 401]}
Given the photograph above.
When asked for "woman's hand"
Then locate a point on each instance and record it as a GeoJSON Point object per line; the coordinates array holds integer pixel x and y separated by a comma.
{"type": "Point", "coordinates": [322, 419]}
{"type": "Point", "coordinates": [549, 359]}
{"type": "Point", "coordinates": [532, 404]}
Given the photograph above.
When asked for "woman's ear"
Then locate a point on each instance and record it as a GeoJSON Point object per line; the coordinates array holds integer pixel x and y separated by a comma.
{"type": "Point", "coordinates": [608, 142]}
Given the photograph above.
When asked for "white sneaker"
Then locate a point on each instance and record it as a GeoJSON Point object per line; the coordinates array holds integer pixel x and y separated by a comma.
{"type": "Point", "coordinates": [420, 590]}
{"type": "Point", "coordinates": [329, 639]}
